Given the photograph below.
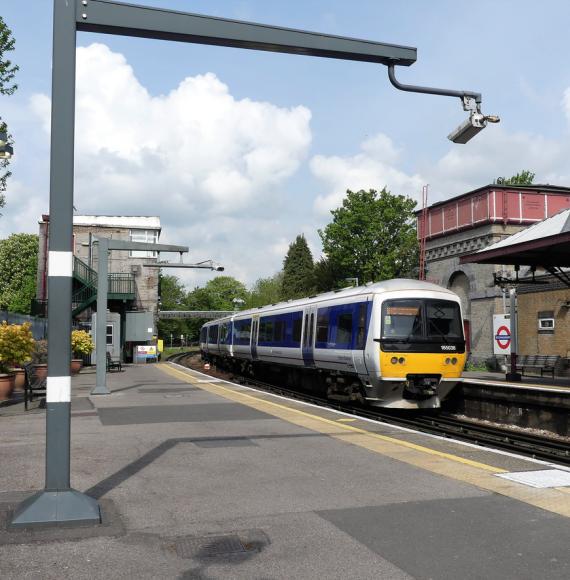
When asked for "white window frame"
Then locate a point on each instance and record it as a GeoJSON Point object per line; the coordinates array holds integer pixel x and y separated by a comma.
{"type": "Point", "coordinates": [146, 236]}
{"type": "Point", "coordinates": [112, 334]}
{"type": "Point", "coordinates": [546, 324]}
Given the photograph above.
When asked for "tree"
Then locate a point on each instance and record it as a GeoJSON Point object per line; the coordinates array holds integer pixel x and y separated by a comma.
{"type": "Point", "coordinates": [218, 294]}
{"type": "Point", "coordinates": [298, 270]}
{"type": "Point", "coordinates": [328, 276]}
{"type": "Point", "coordinates": [266, 291]}
{"type": "Point", "coordinates": [372, 237]}
{"type": "Point", "coordinates": [18, 269]}
{"type": "Point", "coordinates": [172, 296]}
{"type": "Point", "coordinates": [525, 177]}
{"type": "Point", "coordinates": [7, 87]}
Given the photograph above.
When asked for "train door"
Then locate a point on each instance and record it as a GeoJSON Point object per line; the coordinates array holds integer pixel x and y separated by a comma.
{"type": "Point", "coordinates": [309, 336]}
{"type": "Point", "coordinates": [254, 327]}
{"type": "Point", "coordinates": [359, 325]}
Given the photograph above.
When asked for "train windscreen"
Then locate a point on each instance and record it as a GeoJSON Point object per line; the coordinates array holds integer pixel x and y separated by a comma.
{"type": "Point", "coordinates": [421, 321]}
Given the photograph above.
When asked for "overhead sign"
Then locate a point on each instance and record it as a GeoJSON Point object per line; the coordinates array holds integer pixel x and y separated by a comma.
{"type": "Point", "coordinates": [501, 334]}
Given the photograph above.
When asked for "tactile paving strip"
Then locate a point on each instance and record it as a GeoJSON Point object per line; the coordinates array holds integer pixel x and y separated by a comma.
{"type": "Point", "coordinates": [543, 478]}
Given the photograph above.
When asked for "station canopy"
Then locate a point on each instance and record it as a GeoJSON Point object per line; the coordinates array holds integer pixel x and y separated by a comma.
{"type": "Point", "coordinates": [543, 245]}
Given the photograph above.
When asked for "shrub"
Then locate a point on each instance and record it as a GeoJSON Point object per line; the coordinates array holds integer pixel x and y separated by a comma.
{"type": "Point", "coordinates": [16, 344]}
{"type": "Point", "coordinates": [81, 342]}
{"type": "Point", "coordinates": [39, 356]}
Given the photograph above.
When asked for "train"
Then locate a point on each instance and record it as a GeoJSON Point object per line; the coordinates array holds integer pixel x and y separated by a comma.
{"type": "Point", "coordinates": [397, 344]}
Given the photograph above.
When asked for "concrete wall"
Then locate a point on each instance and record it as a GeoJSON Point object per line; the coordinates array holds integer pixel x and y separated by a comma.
{"type": "Point", "coordinates": [146, 279]}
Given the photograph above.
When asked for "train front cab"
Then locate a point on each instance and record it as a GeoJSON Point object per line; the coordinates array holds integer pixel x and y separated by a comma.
{"type": "Point", "coordinates": [421, 350]}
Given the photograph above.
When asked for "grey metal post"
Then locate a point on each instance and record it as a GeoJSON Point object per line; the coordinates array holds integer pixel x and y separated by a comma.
{"type": "Point", "coordinates": [101, 329]}
{"type": "Point", "coordinates": [105, 246]}
{"type": "Point", "coordinates": [513, 375]}
{"type": "Point", "coordinates": [58, 502]}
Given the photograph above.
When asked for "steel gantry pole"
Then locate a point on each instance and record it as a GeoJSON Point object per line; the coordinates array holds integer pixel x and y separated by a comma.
{"type": "Point", "coordinates": [58, 502]}
{"type": "Point", "coordinates": [107, 245]}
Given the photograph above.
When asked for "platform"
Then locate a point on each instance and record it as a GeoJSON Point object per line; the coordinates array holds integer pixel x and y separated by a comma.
{"type": "Point", "coordinates": [199, 478]}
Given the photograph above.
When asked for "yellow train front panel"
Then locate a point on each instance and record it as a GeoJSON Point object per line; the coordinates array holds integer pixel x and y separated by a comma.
{"type": "Point", "coordinates": [398, 365]}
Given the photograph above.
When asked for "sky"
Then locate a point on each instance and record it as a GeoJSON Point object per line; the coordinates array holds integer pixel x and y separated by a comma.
{"type": "Point", "coordinates": [240, 151]}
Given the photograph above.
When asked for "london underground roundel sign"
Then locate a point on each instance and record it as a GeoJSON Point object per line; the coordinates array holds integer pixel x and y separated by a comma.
{"type": "Point", "coordinates": [503, 337]}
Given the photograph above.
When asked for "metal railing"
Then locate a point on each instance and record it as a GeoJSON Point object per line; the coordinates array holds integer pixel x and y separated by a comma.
{"type": "Point", "coordinates": [84, 273]}
{"type": "Point", "coordinates": [122, 284]}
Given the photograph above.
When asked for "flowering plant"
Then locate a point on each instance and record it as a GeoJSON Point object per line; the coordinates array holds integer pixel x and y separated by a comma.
{"type": "Point", "coordinates": [16, 344]}
{"type": "Point", "coordinates": [81, 342]}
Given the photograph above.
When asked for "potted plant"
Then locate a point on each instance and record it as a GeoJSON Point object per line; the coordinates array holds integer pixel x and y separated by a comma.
{"type": "Point", "coordinates": [39, 358]}
{"type": "Point", "coordinates": [16, 347]}
{"type": "Point", "coordinates": [81, 344]}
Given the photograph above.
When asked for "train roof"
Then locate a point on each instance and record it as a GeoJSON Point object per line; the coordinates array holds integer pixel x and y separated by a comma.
{"type": "Point", "coordinates": [370, 288]}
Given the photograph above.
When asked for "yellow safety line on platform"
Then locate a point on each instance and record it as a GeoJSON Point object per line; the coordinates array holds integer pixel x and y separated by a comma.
{"type": "Point", "coordinates": [445, 464]}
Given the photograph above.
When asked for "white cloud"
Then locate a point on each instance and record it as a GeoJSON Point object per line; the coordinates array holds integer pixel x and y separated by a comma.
{"type": "Point", "coordinates": [375, 167]}
{"type": "Point", "coordinates": [196, 147]}
{"type": "Point", "coordinates": [497, 153]}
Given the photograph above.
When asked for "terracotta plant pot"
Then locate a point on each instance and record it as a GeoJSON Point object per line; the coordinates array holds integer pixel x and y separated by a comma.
{"type": "Point", "coordinates": [76, 365]}
{"type": "Point", "coordinates": [41, 371]}
{"type": "Point", "coordinates": [6, 386]}
{"type": "Point", "coordinates": [19, 379]}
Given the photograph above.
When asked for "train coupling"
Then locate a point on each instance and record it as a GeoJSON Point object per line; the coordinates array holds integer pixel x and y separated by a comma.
{"type": "Point", "coordinates": [421, 386]}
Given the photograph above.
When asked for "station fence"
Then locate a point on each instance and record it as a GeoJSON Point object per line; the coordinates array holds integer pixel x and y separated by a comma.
{"type": "Point", "coordinates": [38, 325]}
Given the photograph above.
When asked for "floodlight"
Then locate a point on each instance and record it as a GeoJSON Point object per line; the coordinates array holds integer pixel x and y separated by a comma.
{"type": "Point", "coordinates": [468, 129]}
{"type": "Point", "coordinates": [471, 102]}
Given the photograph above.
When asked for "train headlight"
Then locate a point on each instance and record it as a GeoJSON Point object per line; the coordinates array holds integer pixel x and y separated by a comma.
{"type": "Point", "coordinates": [447, 361]}
{"type": "Point", "coordinates": [394, 360]}
{"type": "Point", "coordinates": [401, 360]}
{"type": "Point", "coordinates": [453, 361]}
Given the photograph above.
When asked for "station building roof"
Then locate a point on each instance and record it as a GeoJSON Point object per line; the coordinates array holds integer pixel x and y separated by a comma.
{"type": "Point", "coordinates": [542, 245]}
{"type": "Point", "coordinates": [116, 221]}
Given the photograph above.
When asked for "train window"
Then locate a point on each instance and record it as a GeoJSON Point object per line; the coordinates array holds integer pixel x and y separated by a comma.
{"type": "Point", "coordinates": [265, 331]}
{"type": "Point", "coordinates": [361, 332]}
{"type": "Point", "coordinates": [297, 324]}
{"type": "Point", "coordinates": [306, 340]}
{"type": "Point", "coordinates": [323, 318]}
{"type": "Point", "coordinates": [344, 330]}
{"type": "Point", "coordinates": [443, 319]}
{"type": "Point", "coordinates": [225, 333]}
{"type": "Point", "coordinates": [213, 334]}
{"type": "Point", "coordinates": [242, 331]}
{"type": "Point", "coordinates": [279, 331]}
{"type": "Point", "coordinates": [311, 330]}
{"type": "Point", "coordinates": [402, 318]}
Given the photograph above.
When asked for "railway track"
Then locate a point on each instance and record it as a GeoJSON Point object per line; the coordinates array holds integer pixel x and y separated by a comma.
{"type": "Point", "coordinates": [434, 423]}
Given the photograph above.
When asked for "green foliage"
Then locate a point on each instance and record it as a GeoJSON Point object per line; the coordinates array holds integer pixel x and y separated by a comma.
{"type": "Point", "coordinates": [298, 270]}
{"type": "Point", "coordinates": [265, 291]}
{"type": "Point", "coordinates": [18, 269]}
{"type": "Point", "coordinates": [372, 237]}
{"type": "Point", "coordinates": [16, 345]}
{"type": "Point", "coordinates": [81, 342]}
{"type": "Point", "coordinates": [328, 276]}
{"type": "Point", "coordinates": [217, 294]}
{"type": "Point", "coordinates": [525, 177]}
{"type": "Point", "coordinates": [172, 297]}
{"type": "Point", "coordinates": [39, 355]}
{"type": "Point", "coordinates": [7, 87]}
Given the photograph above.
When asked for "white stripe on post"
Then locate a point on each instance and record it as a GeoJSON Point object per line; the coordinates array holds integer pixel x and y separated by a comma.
{"type": "Point", "coordinates": [58, 390]}
{"type": "Point", "coordinates": [60, 264]}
